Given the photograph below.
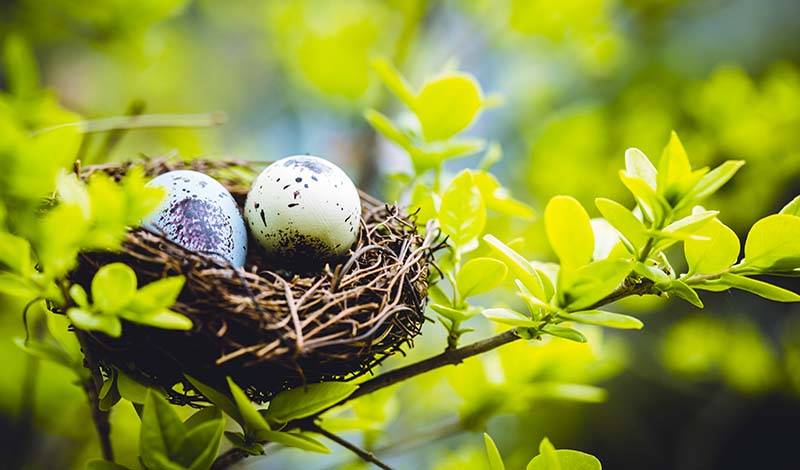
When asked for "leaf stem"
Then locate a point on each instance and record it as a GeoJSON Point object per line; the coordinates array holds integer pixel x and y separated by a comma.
{"type": "Point", "coordinates": [91, 386]}
{"type": "Point", "coordinates": [142, 121]}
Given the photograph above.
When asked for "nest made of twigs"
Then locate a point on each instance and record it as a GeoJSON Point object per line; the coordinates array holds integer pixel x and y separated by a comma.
{"type": "Point", "coordinates": [268, 328]}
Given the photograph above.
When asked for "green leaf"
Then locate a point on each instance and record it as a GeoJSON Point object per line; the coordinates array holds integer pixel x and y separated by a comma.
{"type": "Point", "coordinates": [447, 105]}
{"type": "Point", "coordinates": [793, 208]}
{"type": "Point", "coordinates": [306, 401]}
{"type": "Point", "coordinates": [113, 287]}
{"type": "Point", "coordinates": [494, 153]}
{"type": "Point", "coordinates": [685, 292]}
{"type": "Point", "coordinates": [563, 391]}
{"type": "Point", "coordinates": [520, 267]}
{"type": "Point", "coordinates": [510, 317]}
{"type": "Point", "coordinates": [761, 288]}
{"type": "Point", "coordinates": [674, 165]}
{"type": "Point", "coordinates": [73, 191]}
{"type": "Point", "coordinates": [637, 165]}
{"type": "Point", "coordinates": [691, 223]}
{"type": "Point", "coordinates": [623, 220]}
{"type": "Point", "coordinates": [201, 444]}
{"type": "Point", "coordinates": [492, 454]}
{"type": "Point", "coordinates": [88, 321]}
{"type": "Point", "coordinates": [131, 389]}
{"type": "Point", "coordinates": [603, 318]}
{"type": "Point", "coordinates": [109, 394]}
{"type": "Point", "coordinates": [220, 399]}
{"type": "Point", "coordinates": [462, 213]}
{"type": "Point", "coordinates": [586, 286]}
{"type": "Point", "coordinates": [480, 275]}
{"type": "Point", "coordinates": [498, 198]}
{"type": "Point", "coordinates": [204, 415]}
{"type": "Point", "coordinates": [453, 314]}
{"type": "Point", "coordinates": [653, 206]}
{"type": "Point", "coordinates": [547, 453]}
{"type": "Point", "coordinates": [423, 202]}
{"type": "Point", "coordinates": [252, 420]}
{"type": "Point", "coordinates": [15, 254]}
{"type": "Point", "coordinates": [78, 295]}
{"type": "Point", "coordinates": [716, 254]}
{"type": "Point", "coordinates": [293, 439]}
{"type": "Point", "coordinates": [17, 286]}
{"type": "Point", "coordinates": [47, 352]}
{"type": "Point", "coordinates": [386, 128]}
{"type": "Point", "coordinates": [394, 81]}
{"type": "Point", "coordinates": [569, 231]}
{"type": "Point", "coordinates": [166, 319]}
{"type": "Point", "coordinates": [157, 295]}
{"type": "Point", "coordinates": [773, 244]}
{"type": "Point", "coordinates": [238, 441]}
{"type": "Point", "coordinates": [564, 332]}
{"type": "Point", "coordinates": [99, 464]}
{"type": "Point", "coordinates": [19, 64]}
{"type": "Point", "coordinates": [140, 199]}
{"type": "Point", "coordinates": [567, 460]}
{"type": "Point", "coordinates": [162, 433]}
{"type": "Point", "coordinates": [711, 182]}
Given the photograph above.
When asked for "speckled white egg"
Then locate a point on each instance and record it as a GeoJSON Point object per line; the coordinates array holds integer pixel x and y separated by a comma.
{"type": "Point", "coordinates": [199, 214]}
{"type": "Point", "coordinates": [303, 209]}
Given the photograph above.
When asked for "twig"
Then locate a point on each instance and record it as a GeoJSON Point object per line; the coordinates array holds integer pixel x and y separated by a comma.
{"type": "Point", "coordinates": [142, 121]}
{"type": "Point", "coordinates": [92, 386]}
{"type": "Point", "coordinates": [228, 458]}
{"type": "Point", "coordinates": [361, 453]}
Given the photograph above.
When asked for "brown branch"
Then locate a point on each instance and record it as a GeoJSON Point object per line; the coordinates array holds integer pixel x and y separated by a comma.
{"type": "Point", "coordinates": [361, 453]}
{"type": "Point", "coordinates": [92, 386]}
{"type": "Point", "coordinates": [228, 458]}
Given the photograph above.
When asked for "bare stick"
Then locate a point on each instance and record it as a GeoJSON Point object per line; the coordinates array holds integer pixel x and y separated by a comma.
{"type": "Point", "coordinates": [92, 386]}
{"type": "Point", "coordinates": [361, 453]}
{"type": "Point", "coordinates": [142, 121]}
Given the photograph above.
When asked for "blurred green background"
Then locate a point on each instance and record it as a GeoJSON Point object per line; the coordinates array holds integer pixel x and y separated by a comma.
{"type": "Point", "coordinates": [582, 81]}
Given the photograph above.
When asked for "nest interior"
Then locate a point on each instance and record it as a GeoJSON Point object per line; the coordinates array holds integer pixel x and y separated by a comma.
{"type": "Point", "coordinates": [267, 328]}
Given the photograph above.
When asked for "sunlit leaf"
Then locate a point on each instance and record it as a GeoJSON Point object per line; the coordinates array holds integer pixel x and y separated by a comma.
{"type": "Point", "coordinates": [519, 266]}
{"type": "Point", "coordinates": [760, 288]}
{"type": "Point", "coordinates": [793, 208]}
{"type": "Point", "coordinates": [447, 105]}
{"type": "Point", "coordinates": [492, 454]}
{"type": "Point", "coordinates": [569, 231]}
{"type": "Point", "coordinates": [88, 321]}
{"type": "Point", "coordinates": [603, 318]}
{"type": "Point", "coordinates": [293, 439]}
{"type": "Point", "coordinates": [711, 182]}
{"type": "Point", "coordinates": [509, 317]}
{"type": "Point", "coordinates": [713, 255]}
{"type": "Point", "coordinates": [564, 332]}
{"type": "Point", "coordinates": [162, 433]}
{"type": "Point", "coordinates": [583, 288]}
{"type": "Point", "coordinates": [774, 243]}
{"type": "Point", "coordinates": [623, 220]}
{"type": "Point", "coordinates": [251, 419]}
{"type": "Point", "coordinates": [462, 213]}
{"type": "Point", "coordinates": [113, 287]}
{"type": "Point", "coordinates": [637, 165]}
{"type": "Point", "coordinates": [305, 401]}
{"type": "Point", "coordinates": [480, 275]}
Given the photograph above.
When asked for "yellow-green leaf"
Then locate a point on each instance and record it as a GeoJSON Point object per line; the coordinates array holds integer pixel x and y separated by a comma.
{"type": "Point", "coordinates": [718, 253]}
{"type": "Point", "coordinates": [569, 231]}
{"type": "Point", "coordinates": [447, 105]}
{"type": "Point", "coordinates": [480, 275]}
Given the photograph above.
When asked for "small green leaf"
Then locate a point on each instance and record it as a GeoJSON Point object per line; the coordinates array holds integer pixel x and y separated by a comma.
{"type": "Point", "coordinates": [447, 105]}
{"type": "Point", "coordinates": [386, 128]}
{"type": "Point", "coordinates": [166, 319]}
{"type": "Point", "coordinates": [711, 182]}
{"type": "Point", "coordinates": [73, 191]}
{"type": "Point", "coordinates": [691, 223]}
{"type": "Point", "coordinates": [15, 254]}
{"type": "Point", "coordinates": [47, 352]}
{"type": "Point", "coordinates": [637, 165]}
{"type": "Point", "coordinates": [162, 433]}
{"type": "Point", "coordinates": [424, 202]}
{"type": "Point", "coordinates": [131, 389]}
{"type": "Point", "coordinates": [717, 253]}
{"type": "Point", "coordinates": [492, 454]}
{"type": "Point", "coordinates": [773, 244]}
{"type": "Point", "coordinates": [202, 416]}
{"type": "Point", "coordinates": [653, 206]}
{"type": "Point", "coordinates": [88, 321]}
{"type": "Point", "coordinates": [547, 452]}
{"type": "Point", "coordinates": [78, 295]}
{"type": "Point", "coordinates": [109, 394]}
{"type": "Point", "coordinates": [581, 289]}
{"type": "Point", "coordinates": [674, 165]}
{"type": "Point", "coordinates": [157, 295]}
{"type": "Point", "coordinates": [201, 444]}
{"type": "Point", "coordinates": [498, 198]}
{"type": "Point", "coordinates": [603, 318]}
{"type": "Point", "coordinates": [462, 213]}
{"type": "Point", "coordinates": [793, 208]}
{"type": "Point", "coordinates": [252, 420]}
{"type": "Point", "coordinates": [564, 332]}
{"type": "Point", "coordinates": [623, 220]}
{"type": "Point", "coordinates": [293, 439]}
{"type": "Point", "coordinates": [567, 460]}
{"type": "Point", "coordinates": [569, 231]}
{"type": "Point", "coordinates": [761, 288]}
{"type": "Point", "coordinates": [480, 275]}
{"type": "Point", "coordinates": [685, 292]}
{"type": "Point", "coordinates": [238, 441]}
{"type": "Point", "coordinates": [305, 401]}
{"type": "Point", "coordinates": [563, 391]}
{"type": "Point", "coordinates": [17, 286]}
{"type": "Point", "coordinates": [394, 81]}
{"type": "Point", "coordinates": [220, 399]}
{"type": "Point", "coordinates": [520, 267]}
{"type": "Point", "coordinates": [510, 317]}
{"type": "Point", "coordinates": [453, 314]}
{"type": "Point", "coordinates": [113, 286]}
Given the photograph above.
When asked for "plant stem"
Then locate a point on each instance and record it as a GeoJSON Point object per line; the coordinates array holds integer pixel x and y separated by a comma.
{"type": "Point", "coordinates": [228, 458]}
{"type": "Point", "coordinates": [142, 121]}
{"type": "Point", "coordinates": [92, 386]}
{"type": "Point", "coordinates": [361, 453]}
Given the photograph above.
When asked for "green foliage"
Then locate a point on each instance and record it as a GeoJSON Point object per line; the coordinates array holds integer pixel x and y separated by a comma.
{"type": "Point", "coordinates": [549, 458]}
{"type": "Point", "coordinates": [166, 442]}
{"type": "Point", "coordinates": [115, 297]}
{"type": "Point", "coordinates": [301, 402]}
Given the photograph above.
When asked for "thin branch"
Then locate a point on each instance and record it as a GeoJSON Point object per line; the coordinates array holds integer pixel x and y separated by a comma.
{"type": "Point", "coordinates": [361, 453]}
{"type": "Point", "coordinates": [142, 121]}
{"type": "Point", "coordinates": [228, 458]}
{"type": "Point", "coordinates": [92, 386]}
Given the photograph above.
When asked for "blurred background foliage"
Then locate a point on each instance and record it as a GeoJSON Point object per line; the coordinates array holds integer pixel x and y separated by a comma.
{"type": "Point", "coordinates": [582, 81]}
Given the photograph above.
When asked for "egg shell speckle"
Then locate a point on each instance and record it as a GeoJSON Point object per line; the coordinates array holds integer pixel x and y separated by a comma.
{"type": "Point", "coordinates": [199, 214]}
{"type": "Point", "coordinates": [303, 209]}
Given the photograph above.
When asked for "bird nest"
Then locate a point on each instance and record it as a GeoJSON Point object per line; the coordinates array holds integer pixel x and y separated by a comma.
{"type": "Point", "coordinates": [267, 328]}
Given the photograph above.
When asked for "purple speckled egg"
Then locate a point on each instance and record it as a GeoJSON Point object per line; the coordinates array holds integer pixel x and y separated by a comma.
{"type": "Point", "coordinates": [199, 214]}
{"type": "Point", "coordinates": [303, 209]}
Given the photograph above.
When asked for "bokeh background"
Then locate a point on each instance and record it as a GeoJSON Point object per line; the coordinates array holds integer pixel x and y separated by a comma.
{"type": "Point", "coordinates": [582, 81]}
